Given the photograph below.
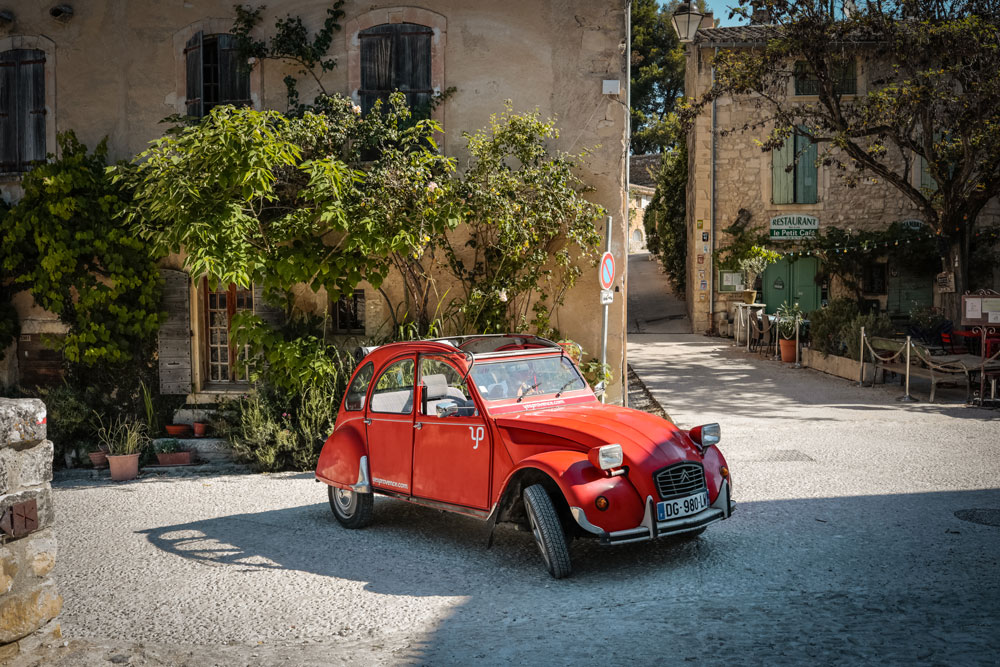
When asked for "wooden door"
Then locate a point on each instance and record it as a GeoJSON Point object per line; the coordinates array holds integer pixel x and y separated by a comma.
{"type": "Point", "coordinates": [221, 354]}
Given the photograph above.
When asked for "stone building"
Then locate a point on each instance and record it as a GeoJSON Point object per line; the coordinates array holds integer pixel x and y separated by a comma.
{"type": "Point", "coordinates": [641, 187]}
{"type": "Point", "coordinates": [732, 180]}
{"type": "Point", "coordinates": [115, 68]}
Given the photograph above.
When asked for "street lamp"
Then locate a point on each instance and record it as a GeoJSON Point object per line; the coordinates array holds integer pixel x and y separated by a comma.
{"type": "Point", "coordinates": [686, 20]}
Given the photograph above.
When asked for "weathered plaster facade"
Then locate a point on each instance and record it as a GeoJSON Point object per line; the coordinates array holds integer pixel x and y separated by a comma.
{"type": "Point", "coordinates": [118, 69]}
{"type": "Point", "coordinates": [743, 182]}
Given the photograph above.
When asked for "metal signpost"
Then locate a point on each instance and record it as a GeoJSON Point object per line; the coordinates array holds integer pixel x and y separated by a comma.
{"type": "Point", "coordinates": [607, 278]}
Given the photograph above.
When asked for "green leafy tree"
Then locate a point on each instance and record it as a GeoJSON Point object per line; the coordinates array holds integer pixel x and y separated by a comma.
{"type": "Point", "coordinates": [931, 81]}
{"type": "Point", "coordinates": [665, 217]}
{"type": "Point", "coordinates": [64, 243]}
{"type": "Point", "coordinates": [657, 74]}
{"type": "Point", "coordinates": [527, 226]}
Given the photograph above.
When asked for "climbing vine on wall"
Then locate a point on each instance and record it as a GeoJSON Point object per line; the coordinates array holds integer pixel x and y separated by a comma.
{"type": "Point", "coordinates": [64, 243]}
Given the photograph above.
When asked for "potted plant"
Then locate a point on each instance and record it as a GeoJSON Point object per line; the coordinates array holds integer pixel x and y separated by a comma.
{"type": "Point", "coordinates": [789, 317]}
{"type": "Point", "coordinates": [123, 439]}
{"type": "Point", "coordinates": [178, 430]}
{"type": "Point", "coordinates": [200, 429]}
{"type": "Point", "coordinates": [98, 458]}
{"type": "Point", "coordinates": [169, 453]}
{"type": "Point", "coordinates": [752, 265]}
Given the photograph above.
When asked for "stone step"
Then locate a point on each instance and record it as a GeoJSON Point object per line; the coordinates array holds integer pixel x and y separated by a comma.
{"type": "Point", "coordinates": [209, 449]}
{"type": "Point", "coordinates": [191, 415]}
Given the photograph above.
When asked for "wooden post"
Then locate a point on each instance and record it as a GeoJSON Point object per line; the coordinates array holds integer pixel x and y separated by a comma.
{"type": "Point", "coordinates": [906, 398]}
{"type": "Point", "coordinates": [798, 361]}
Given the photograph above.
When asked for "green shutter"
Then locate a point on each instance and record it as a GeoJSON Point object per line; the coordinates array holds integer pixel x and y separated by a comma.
{"type": "Point", "coordinates": [782, 181]}
{"type": "Point", "coordinates": [805, 171]}
{"type": "Point", "coordinates": [926, 180]}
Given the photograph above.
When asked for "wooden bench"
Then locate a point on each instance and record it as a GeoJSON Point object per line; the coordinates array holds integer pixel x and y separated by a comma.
{"type": "Point", "coordinates": [922, 364]}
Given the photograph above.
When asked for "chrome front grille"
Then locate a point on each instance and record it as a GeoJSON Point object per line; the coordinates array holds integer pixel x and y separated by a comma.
{"type": "Point", "coordinates": [680, 479]}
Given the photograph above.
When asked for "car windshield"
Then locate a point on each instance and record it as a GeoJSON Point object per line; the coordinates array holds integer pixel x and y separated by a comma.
{"type": "Point", "coordinates": [517, 378]}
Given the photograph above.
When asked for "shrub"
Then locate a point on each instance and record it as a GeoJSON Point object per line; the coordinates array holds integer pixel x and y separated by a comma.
{"type": "Point", "coordinates": [875, 325]}
{"type": "Point", "coordinates": [825, 325]}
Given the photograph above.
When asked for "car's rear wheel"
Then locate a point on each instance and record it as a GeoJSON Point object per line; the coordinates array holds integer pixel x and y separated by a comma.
{"type": "Point", "coordinates": [352, 509]}
{"type": "Point", "coordinates": [548, 531]}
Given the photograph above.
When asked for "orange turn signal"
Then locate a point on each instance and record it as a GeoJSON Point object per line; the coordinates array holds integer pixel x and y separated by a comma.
{"type": "Point", "coordinates": [725, 471]}
{"type": "Point", "coordinates": [601, 503]}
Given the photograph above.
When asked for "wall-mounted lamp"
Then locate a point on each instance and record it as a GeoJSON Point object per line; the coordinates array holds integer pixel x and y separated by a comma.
{"type": "Point", "coordinates": [686, 20]}
{"type": "Point", "coordinates": [61, 12]}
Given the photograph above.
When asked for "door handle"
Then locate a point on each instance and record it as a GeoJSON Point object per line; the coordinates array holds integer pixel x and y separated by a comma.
{"type": "Point", "coordinates": [418, 425]}
{"type": "Point", "coordinates": [367, 421]}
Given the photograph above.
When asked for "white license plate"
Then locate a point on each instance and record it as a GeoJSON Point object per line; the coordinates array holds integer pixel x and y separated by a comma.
{"type": "Point", "coordinates": [680, 507]}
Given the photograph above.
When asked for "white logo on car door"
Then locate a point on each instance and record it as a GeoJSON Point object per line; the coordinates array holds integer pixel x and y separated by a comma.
{"type": "Point", "coordinates": [477, 433]}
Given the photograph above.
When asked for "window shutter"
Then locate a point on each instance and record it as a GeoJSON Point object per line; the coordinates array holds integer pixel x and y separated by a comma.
{"type": "Point", "coordinates": [927, 181]}
{"type": "Point", "coordinates": [174, 339]}
{"type": "Point", "coordinates": [805, 170]}
{"type": "Point", "coordinates": [193, 62]}
{"type": "Point", "coordinates": [234, 76]}
{"type": "Point", "coordinates": [8, 114]}
{"type": "Point", "coordinates": [272, 316]}
{"type": "Point", "coordinates": [31, 100]}
{"type": "Point", "coordinates": [376, 68]}
{"type": "Point", "coordinates": [413, 64]}
{"type": "Point", "coordinates": [782, 181]}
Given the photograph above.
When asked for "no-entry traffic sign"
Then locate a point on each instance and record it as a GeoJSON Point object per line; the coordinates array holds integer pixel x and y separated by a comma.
{"type": "Point", "coordinates": [607, 270]}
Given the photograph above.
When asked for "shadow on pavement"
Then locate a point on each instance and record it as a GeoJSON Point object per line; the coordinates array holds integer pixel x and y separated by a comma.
{"type": "Point", "coordinates": [855, 579]}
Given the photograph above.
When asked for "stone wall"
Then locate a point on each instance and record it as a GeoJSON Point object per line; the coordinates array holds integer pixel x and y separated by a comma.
{"type": "Point", "coordinates": [29, 600]}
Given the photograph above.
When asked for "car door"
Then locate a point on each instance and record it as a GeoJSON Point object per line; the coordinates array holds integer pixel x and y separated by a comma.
{"type": "Point", "coordinates": [389, 424]}
{"type": "Point", "coordinates": [451, 454]}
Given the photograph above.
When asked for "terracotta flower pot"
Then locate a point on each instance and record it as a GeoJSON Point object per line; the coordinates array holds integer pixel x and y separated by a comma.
{"type": "Point", "coordinates": [98, 459]}
{"type": "Point", "coordinates": [124, 467]}
{"type": "Point", "coordinates": [174, 459]}
{"type": "Point", "coordinates": [787, 350]}
{"type": "Point", "coordinates": [199, 429]}
{"type": "Point", "coordinates": [178, 430]}
{"type": "Point", "coordinates": [749, 296]}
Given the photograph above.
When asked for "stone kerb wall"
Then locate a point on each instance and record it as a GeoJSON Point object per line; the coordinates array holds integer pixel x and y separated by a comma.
{"type": "Point", "coordinates": [29, 601]}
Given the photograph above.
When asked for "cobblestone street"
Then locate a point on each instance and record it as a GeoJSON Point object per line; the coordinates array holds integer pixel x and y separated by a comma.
{"type": "Point", "coordinates": [847, 546]}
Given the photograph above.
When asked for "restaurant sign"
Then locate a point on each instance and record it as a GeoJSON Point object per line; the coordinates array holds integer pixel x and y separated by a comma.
{"type": "Point", "coordinates": [794, 226]}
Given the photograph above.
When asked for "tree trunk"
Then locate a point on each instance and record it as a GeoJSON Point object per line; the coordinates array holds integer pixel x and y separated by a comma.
{"type": "Point", "coordinates": [956, 261]}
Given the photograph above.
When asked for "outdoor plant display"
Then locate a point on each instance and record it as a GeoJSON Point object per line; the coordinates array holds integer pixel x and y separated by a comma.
{"type": "Point", "coordinates": [826, 326]}
{"type": "Point", "coordinates": [503, 428]}
{"type": "Point", "coordinates": [752, 264]}
{"type": "Point", "coordinates": [123, 439]}
{"type": "Point", "coordinates": [169, 453]}
{"type": "Point", "coordinates": [789, 318]}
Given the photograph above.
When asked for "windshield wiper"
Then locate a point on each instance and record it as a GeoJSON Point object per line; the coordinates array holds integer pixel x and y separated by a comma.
{"type": "Point", "coordinates": [565, 386]}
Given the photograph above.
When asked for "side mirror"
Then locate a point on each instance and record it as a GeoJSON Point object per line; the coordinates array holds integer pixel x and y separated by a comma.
{"type": "Point", "coordinates": [599, 389]}
{"type": "Point", "coordinates": [447, 409]}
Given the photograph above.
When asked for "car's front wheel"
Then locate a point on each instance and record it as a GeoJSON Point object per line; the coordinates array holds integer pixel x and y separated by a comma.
{"type": "Point", "coordinates": [352, 509]}
{"type": "Point", "coordinates": [548, 530]}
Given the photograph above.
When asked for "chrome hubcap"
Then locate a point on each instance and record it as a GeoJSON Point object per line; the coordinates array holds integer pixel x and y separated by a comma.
{"type": "Point", "coordinates": [345, 500]}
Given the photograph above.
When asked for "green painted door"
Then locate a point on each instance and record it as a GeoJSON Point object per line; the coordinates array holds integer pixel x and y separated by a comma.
{"type": "Point", "coordinates": [794, 282]}
{"type": "Point", "coordinates": [908, 289]}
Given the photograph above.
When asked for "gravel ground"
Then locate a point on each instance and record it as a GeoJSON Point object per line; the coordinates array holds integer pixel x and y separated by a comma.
{"type": "Point", "coordinates": [845, 548]}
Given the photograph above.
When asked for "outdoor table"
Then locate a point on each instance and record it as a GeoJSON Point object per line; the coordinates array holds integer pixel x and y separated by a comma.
{"type": "Point", "coordinates": [743, 311]}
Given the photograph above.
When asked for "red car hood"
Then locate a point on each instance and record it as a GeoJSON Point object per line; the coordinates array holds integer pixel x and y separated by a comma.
{"type": "Point", "coordinates": [648, 442]}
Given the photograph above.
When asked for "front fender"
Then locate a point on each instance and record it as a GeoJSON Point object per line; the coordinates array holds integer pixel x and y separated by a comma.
{"type": "Point", "coordinates": [581, 483]}
{"type": "Point", "coordinates": [340, 459]}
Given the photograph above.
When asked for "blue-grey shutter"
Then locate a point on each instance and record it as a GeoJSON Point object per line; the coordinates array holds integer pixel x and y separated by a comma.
{"type": "Point", "coordinates": [783, 180]}
{"type": "Point", "coordinates": [193, 64]}
{"type": "Point", "coordinates": [8, 112]}
{"type": "Point", "coordinates": [272, 316]}
{"type": "Point", "coordinates": [31, 103]}
{"type": "Point", "coordinates": [174, 338]}
{"type": "Point", "coordinates": [234, 76]}
{"type": "Point", "coordinates": [376, 65]}
{"type": "Point", "coordinates": [805, 170]}
{"type": "Point", "coordinates": [413, 63]}
{"type": "Point", "coordinates": [926, 180]}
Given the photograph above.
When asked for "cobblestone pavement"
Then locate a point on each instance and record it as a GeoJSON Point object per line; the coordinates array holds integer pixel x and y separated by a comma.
{"type": "Point", "coordinates": [847, 547]}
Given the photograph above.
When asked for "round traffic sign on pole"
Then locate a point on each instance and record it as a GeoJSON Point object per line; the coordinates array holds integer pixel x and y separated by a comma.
{"type": "Point", "coordinates": [607, 270]}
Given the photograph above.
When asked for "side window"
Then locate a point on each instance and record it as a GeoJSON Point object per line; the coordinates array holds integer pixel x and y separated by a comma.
{"type": "Point", "coordinates": [396, 56]}
{"type": "Point", "coordinates": [22, 109]}
{"type": "Point", "coordinates": [359, 388]}
{"type": "Point", "coordinates": [215, 74]}
{"type": "Point", "coordinates": [393, 392]}
{"type": "Point", "coordinates": [443, 386]}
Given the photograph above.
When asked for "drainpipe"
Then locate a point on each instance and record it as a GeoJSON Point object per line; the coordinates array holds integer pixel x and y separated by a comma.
{"type": "Point", "coordinates": [711, 237]}
{"type": "Point", "coordinates": [628, 165]}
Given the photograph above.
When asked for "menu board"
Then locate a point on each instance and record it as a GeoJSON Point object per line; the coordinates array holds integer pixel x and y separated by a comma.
{"type": "Point", "coordinates": [980, 309]}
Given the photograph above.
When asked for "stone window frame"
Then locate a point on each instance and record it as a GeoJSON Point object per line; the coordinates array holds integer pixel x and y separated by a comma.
{"type": "Point", "coordinates": [208, 26]}
{"type": "Point", "coordinates": [399, 14]}
{"type": "Point", "coordinates": [46, 45]}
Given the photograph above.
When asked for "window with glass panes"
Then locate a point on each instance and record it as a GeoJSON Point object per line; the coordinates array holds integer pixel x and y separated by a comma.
{"type": "Point", "coordinates": [348, 313]}
{"type": "Point", "coordinates": [215, 74]}
{"type": "Point", "coordinates": [221, 304]}
{"type": "Point", "coordinates": [396, 56]}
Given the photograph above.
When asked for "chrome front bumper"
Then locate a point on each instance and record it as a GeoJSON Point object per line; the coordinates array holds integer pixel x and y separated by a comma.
{"type": "Point", "coordinates": [650, 528]}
